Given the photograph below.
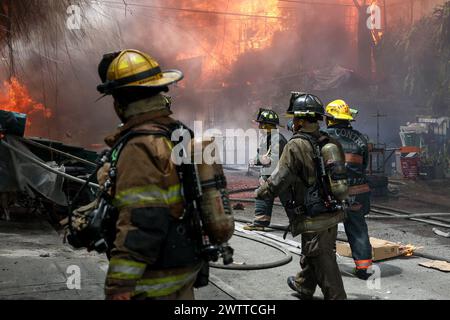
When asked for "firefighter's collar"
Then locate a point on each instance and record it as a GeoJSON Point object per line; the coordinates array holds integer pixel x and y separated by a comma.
{"type": "Point", "coordinates": [156, 103]}
{"type": "Point", "coordinates": [136, 121]}
{"type": "Point", "coordinates": [310, 127]}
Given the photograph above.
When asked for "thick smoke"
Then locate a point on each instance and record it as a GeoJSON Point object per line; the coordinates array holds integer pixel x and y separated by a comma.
{"type": "Point", "coordinates": [221, 87]}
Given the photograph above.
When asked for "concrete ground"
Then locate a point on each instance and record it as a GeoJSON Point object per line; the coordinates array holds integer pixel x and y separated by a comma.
{"type": "Point", "coordinates": [401, 278]}
{"type": "Point", "coordinates": [34, 265]}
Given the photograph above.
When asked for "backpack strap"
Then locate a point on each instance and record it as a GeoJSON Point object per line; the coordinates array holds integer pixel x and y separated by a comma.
{"type": "Point", "coordinates": [120, 144]}
{"type": "Point", "coordinates": [162, 131]}
{"type": "Point", "coordinates": [313, 143]}
{"type": "Point", "coordinates": [312, 140]}
{"type": "Point", "coordinates": [316, 144]}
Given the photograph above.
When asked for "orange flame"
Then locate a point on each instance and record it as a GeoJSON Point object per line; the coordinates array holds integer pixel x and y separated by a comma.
{"type": "Point", "coordinates": [252, 31]}
{"type": "Point", "coordinates": [14, 96]}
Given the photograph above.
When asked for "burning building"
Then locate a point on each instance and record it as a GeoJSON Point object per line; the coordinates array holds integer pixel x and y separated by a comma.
{"type": "Point", "coordinates": [237, 55]}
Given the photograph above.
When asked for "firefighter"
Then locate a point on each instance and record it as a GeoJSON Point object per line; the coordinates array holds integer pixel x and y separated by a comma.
{"type": "Point", "coordinates": [339, 117]}
{"type": "Point", "coordinates": [298, 170]}
{"type": "Point", "coordinates": [267, 157]}
{"type": "Point", "coordinates": [147, 191]}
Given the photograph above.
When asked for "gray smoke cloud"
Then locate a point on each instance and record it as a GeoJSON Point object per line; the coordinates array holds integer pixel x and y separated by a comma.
{"type": "Point", "coordinates": [61, 70]}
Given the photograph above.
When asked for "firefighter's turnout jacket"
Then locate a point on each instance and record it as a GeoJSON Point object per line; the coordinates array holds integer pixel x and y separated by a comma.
{"type": "Point", "coordinates": [356, 160]}
{"type": "Point", "coordinates": [148, 194]}
{"type": "Point", "coordinates": [297, 170]}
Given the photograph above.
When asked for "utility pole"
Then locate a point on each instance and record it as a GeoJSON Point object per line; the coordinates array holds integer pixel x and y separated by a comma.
{"type": "Point", "coordinates": [378, 115]}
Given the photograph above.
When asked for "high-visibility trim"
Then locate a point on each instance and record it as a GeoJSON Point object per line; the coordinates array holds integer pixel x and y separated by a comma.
{"type": "Point", "coordinates": [363, 264]}
{"type": "Point", "coordinates": [362, 188]}
{"type": "Point", "coordinates": [149, 195]}
{"type": "Point", "coordinates": [125, 269]}
{"type": "Point", "coordinates": [362, 267]}
{"type": "Point", "coordinates": [163, 286]}
{"type": "Point", "coordinates": [354, 158]}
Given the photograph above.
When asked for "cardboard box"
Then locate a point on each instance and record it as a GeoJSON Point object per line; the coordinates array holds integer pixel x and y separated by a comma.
{"type": "Point", "coordinates": [381, 249]}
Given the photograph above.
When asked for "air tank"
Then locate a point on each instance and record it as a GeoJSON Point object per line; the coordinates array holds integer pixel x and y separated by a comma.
{"type": "Point", "coordinates": [334, 161]}
{"type": "Point", "coordinates": [216, 211]}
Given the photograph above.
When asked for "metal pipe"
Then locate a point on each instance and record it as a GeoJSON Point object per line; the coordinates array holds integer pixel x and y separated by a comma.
{"type": "Point", "coordinates": [68, 155]}
{"type": "Point", "coordinates": [408, 216]}
{"type": "Point", "coordinates": [418, 254]}
{"type": "Point", "coordinates": [427, 221]}
{"type": "Point", "coordinates": [393, 214]}
{"type": "Point", "coordinates": [46, 167]}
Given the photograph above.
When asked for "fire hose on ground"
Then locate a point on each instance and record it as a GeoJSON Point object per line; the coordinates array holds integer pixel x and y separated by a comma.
{"type": "Point", "coordinates": [284, 228]}
{"type": "Point", "coordinates": [389, 213]}
{"type": "Point", "coordinates": [274, 264]}
{"type": "Point", "coordinates": [260, 266]}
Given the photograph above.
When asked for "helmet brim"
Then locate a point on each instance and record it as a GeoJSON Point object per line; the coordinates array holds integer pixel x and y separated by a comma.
{"type": "Point", "coordinates": [168, 77]}
{"type": "Point", "coordinates": [340, 117]}
{"type": "Point", "coordinates": [304, 114]}
{"type": "Point", "coordinates": [266, 122]}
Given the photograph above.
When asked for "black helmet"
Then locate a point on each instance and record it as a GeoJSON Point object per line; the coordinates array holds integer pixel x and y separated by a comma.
{"type": "Point", "coordinates": [267, 116]}
{"type": "Point", "coordinates": [304, 104]}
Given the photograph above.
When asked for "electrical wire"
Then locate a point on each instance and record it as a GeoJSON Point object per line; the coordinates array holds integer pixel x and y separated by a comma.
{"type": "Point", "coordinates": [152, 7]}
{"type": "Point", "coordinates": [318, 3]}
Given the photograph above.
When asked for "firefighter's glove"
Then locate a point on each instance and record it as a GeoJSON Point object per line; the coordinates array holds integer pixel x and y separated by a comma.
{"type": "Point", "coordinates": [263, 192]}
{"type": "Point", "coordinates": [265, 160]}
{"type": "Point", "coordinates": [103, 173]}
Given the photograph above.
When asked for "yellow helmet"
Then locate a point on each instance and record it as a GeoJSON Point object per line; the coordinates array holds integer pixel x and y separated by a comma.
{"type": "Point", "coordinates": [339, 110]}
{"type": "Point", "coordinates": [133, 68]}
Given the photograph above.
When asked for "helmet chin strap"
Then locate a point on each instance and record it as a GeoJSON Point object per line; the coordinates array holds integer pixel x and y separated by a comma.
{"type": "Point", "coordinates": [333, 122]}
{"type": "Point", "coordinates": [267, 126]}
{"type": "Point", "coordinates": [119, 111]}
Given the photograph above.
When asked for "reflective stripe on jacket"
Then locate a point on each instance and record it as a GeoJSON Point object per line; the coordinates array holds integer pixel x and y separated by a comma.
{"type": "Point", "coordinates": [149, 283]}
{"type": "Point", "coordinates": [148, 194]}
{"type": "Point", "coordinates": [297, 170]}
